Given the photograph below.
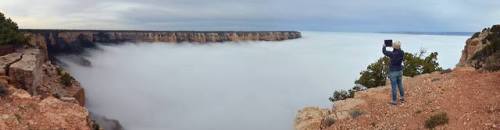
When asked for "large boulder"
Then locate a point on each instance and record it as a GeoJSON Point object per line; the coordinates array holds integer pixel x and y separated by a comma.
{"type": "Point", "coordinates": [482, 50]}
{"type": "Point", "coordinates": [23, 111]}
{"type": "Point", "coordinates": [63, 115]}
{"type": "Point", "coordinates": [27, 72]}
{"type": "Point", "coordinates": [76, 92]}
{"type": "Point", "coordinates": [52, 85]}
{"type": "Point", "coordinates": [7, 60]}
{"type": "Point", "coordinates": [310, 118]}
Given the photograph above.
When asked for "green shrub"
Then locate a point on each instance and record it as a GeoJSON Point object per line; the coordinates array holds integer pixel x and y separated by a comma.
{"type": "Point", "coordinates": [476, 35]}
{"type": "Point", "coordinates": [341, 95]}
{"type": "Point", "coordinates": [356, 113]}
{"type": "Point", "coordinates": [351, 93]}
{"type": "Point", "coordinates": [59, 70]}
{"type": "Point", "coordinates": [66, 79]}
{"type": "Point", "coordinates": [328, 121]}
{"type": "Point", "coordinates": [413, 64]}
{"type": "Point", "coordinates": [436, 120]}
{"type": "Point", "coordinates": [375, 73]}
{"type": "Point", "coordinates": [9, 32]}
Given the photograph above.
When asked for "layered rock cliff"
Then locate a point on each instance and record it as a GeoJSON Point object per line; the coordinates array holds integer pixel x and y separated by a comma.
{"type": "Point", "coordinates": [33, 96]}
{"type": "Point", "coordinates": [74, 41]}
{"type": "Point", "coordinates": [482, 50]}
{"type": "Point", "coordinates": [29, 69]}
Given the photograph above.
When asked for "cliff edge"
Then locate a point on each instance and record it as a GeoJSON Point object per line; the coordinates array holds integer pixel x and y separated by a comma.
{"type": "Point", "coordinates": [75, 41]}
{"type": "Point", "coordinates": [33, 96]}
{"type": "Point", "coordinates": [482, 50]}
{"type": "Point", "coordinates": [468, 97]}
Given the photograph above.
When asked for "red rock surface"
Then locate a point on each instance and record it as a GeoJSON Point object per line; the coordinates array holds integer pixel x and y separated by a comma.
{"type": "Point", "coordinates": [31, 83]}
{"type": "Point", "coordinates": [19, 110]}
{"type": "Point", "coordinates": [469, 97]}
{"type": "Point", "coordinates": [74, 41]}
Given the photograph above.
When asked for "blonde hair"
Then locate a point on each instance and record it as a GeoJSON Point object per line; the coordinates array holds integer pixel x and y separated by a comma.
{"type": "Point", "coordinates": [396, 45]}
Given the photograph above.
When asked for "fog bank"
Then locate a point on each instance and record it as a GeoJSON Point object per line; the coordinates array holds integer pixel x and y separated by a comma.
{"type": "Point", "coordinates": [226, 86]}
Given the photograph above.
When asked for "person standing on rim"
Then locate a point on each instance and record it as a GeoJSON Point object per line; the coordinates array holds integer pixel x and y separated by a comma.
{"type": "Point", "coordinates": [395, 70]}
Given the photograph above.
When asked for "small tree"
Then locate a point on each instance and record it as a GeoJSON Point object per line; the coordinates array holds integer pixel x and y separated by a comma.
{"type": "Point", "coordinates": [9, 32]}
{"type": "Point", "coordinates": [66, 79]}
{"type": "Point", "coordinates": [413, 64]}
{"type": "Point", "coordinates": [375, 73]}
{"type": "Point", "coordinates": [430, 64]}
{"type": "Point", "coordinates": [341, 95]}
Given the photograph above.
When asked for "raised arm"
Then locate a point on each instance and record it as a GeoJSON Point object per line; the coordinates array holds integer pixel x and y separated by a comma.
{"type": "Point", "coordinates": [386, 53]}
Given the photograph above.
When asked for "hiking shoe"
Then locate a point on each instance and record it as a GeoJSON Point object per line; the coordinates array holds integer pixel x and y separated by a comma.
{"type": "Point", "coordinates": [393, 103]}
{"type": "Point", "coordinates": [402, 100]}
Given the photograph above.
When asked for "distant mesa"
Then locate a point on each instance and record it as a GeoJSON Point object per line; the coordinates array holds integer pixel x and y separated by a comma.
{"type": "Point", "coordinates": [75, 41]}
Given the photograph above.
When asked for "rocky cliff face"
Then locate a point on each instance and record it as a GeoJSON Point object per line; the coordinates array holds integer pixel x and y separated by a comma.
{"type": "Point", "coordinates": [33, 96]}
{"type": "Point", "coordinates": [22, 111]}
{"type": "Point", "coordinates": [74, 41]}
{"type": "Point", "coordinates": [482, 50]}
{"type": "Point", "coordinates": [30, 70]}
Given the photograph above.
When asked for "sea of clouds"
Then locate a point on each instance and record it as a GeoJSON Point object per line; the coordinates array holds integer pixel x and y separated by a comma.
{"type": "Point", "coordinates": [227, 86]}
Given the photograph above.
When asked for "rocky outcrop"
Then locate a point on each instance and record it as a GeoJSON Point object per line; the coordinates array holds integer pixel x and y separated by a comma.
{"type": "Point", "coordinates": [74, 41]}
{"type": "Point", "coordinates": [310, 118]}
{"type": "Point", "coordinates": [482, 50]}
{"type": "Point", "coordinates": [20, 110]}
{"type": "Point", "coordinates": [7, 60]}
{"type": "Point", "coordinates": [52, 86]}
{"type": "Point", "coordinates": [27, 72]}
{"type": "Point", "coordinates": [28, 69]}
{"type": "Point", "coordinates": [34, 96]}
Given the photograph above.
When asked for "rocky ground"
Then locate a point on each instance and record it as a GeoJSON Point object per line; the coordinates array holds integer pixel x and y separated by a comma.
{"type": "Point", "coordinates": [21, 111]}
{"type": "Point", "coordinates": [470, 98]}
{"type": "Point", "coordinates": [32, 95]}
{"type": "Point", "coordinates": [469, 95]}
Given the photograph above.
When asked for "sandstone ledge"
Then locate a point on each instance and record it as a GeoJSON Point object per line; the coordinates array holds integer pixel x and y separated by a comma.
{"type": "Point", "coordinates": [35, 98]}
{"type": "Point", "coordinates": [75, 41]}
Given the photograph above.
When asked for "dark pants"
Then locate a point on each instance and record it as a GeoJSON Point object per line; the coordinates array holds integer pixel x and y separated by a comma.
{"type": "Point", "coordinates": [396, 83]}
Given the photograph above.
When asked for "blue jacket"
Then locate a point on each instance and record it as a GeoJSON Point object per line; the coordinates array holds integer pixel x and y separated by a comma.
{"type": "Point", "coordinates": [397, 57]}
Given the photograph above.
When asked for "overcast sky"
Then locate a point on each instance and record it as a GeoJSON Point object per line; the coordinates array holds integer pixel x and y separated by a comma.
{"type": "Point", "coordinates": [324, 15]}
